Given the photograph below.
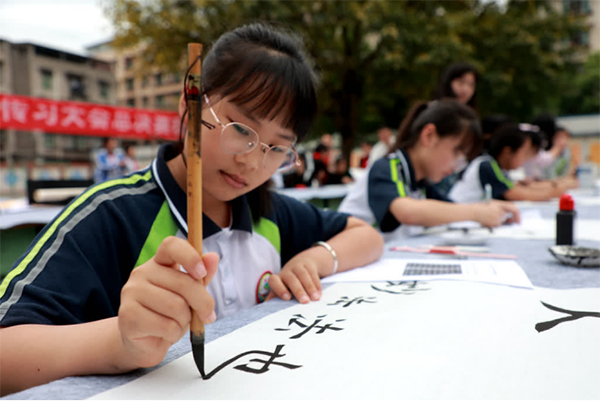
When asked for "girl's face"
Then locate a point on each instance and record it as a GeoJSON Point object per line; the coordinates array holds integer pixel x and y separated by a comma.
{"type": "Point", "coordinates": [520, 156]}
{"type": "Point", "coordinates": [443, 156]}
{"type": "Point", "coordinates": [464, 87]}
{"type": "Point", "coordinates": [226, 176]}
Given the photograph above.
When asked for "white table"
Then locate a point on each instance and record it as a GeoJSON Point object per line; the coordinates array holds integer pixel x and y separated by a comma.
{"type": "Point", "coordinates": [325, 193]}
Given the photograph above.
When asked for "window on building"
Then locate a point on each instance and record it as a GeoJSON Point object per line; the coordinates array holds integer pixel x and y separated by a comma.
{"type": "Point", "coordinates": [145, 102]}
{"type": "Point", "coordinates": [129, 63]}
{"type": "Point", "coordinates": [67, 141]}
{"type": "Point", "coordinates": [46, 79]}
{"type": "Point", "coordinates": [3, 142]}
{"type": "Point", "coordinates": [49, 141]}
{"type": "Point", "coordinates": [129, 84]}
{"type": "Point", "coordinates": [81, 143]}
{"type": "Point", "coordinates": [131, 102]}
{"type": "Point", "coordinates": [76, 87]}
{"type": "Point", "coordinates": [144, 81]}
{"type": "Point", "coordinates": [176, 77]}
{"type": "Point", "coordinates": [579, 7]}
{"type": "Point", "coordinates": [581, 38]}
{"type": "Point", "coordinates": [104, 89]}
{"type": "Point", "coordinates": [158, 79]}
{"type": "Point", "coordinates": [160, 101]}
{"type": "Point", "coordinates": [174, 100]}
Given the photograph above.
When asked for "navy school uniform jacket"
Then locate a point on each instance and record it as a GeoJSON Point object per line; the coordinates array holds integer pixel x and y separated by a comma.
{"type": "Point", "coordinates": [388, 178]}
{"type": "Point", "coordinates": [481, 171]}
{"type": "Point", "coordinates": [75, 269]}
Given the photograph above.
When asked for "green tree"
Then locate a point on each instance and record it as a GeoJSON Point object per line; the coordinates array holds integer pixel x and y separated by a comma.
{"type": "Point", "coordinates": [377, 57]}
{"type": "Point", "coordinates": [582, 93]}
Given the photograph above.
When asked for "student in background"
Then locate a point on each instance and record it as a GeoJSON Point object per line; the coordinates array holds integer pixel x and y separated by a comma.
{"type": "Point", "coordinates": [537, 168]}
{"type": "Point", "coordinates": [102, 290]}
{"type": "Point", "coordinates": [490, 125]}
{"type": "Point", "coordinates": [533, 178]}
{"type": "Point", "coordinates": [554, 160]}
{"type": "Point", "coordinates": [565, 164]}
{"type": "Point", "coordinates": [459, 81]}
{"type": "Point", "coordinates": [340, 174]}
{"type": "Point", "coordinates": [320, 162]}
{"type": "Point", "coordinates": [109, 161]}
{"type": "Point", "coordinates": [509, 149]}
{"type": "Point", "coordinates": [130, 163]}
{"type": "Point", "coordinates": [296, 178]}
{"type": "Point", "coordinates": [365, 148]}
{"type": "Point", "coordinates": [382, 147]}
{"type": "Point", "coordinates": [397, 192]}
{"type": "Point", "coordinates": [324, 150]}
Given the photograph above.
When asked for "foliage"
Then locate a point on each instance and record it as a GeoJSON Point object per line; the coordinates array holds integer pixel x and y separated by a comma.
{"type": "Point", "coordinates": [377, 57]}
{"type": "Point", "coordinates": [582, 94]}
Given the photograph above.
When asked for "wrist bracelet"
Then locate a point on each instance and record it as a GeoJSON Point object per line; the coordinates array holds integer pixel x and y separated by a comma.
{"type": "Point", "coordinates": [331, 251]}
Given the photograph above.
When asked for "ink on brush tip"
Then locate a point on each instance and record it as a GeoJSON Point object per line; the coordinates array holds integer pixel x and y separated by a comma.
{"type": "Point", "coordinates": [197, 340]}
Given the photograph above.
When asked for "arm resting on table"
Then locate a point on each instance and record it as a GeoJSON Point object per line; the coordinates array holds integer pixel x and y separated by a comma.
{"type": "Point", "coordinates": [36, 354]}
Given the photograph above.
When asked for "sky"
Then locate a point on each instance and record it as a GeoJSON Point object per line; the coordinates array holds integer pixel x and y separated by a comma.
{"type": "Point", "coordinates": [69, 25]}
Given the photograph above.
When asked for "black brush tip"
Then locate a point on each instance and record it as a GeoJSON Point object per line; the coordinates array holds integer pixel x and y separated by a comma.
{"type": "Point", "coordinates": [197, 340]}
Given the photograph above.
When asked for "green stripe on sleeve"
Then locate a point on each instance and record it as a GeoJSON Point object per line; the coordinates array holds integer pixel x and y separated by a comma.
{"type": "Point", "coordinates": [394, 172]}
{"type": "Point", "coordinates": [163, 226]}
{"type": "Point", "coordinates": [501, 176]}
{"type": "Point", "coordinates": [560, 166]}
{"type": "Point", "coordinates": [270, 231]}
{"type": "Point", "coordinates": [64, 214]}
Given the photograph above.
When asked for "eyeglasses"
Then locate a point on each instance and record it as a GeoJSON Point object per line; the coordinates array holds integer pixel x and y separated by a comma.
{"type": "Point", "coordinates": [239, 139]}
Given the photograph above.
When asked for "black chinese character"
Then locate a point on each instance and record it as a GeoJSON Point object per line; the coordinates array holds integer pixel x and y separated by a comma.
{"type": "Point", "coordinates": [266, 363]}
{"type": "Point", "coordinates": [543, 326]}
{"type": "Point", "coordinates": [295, 320]}
{"type": "Point", "coordinates": [406, 287]}
{"type": "Point", "coordinates": [347, 301]}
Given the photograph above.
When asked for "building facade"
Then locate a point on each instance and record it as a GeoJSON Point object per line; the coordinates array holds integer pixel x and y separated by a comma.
{"type": "Point", "coordinates": [37, 71]}
{"type": "Point", "coordinates": [31, 70]}
{"type": "Point", "coordinates": [588, 39]}
{"type": "Point", "coordinates": [138, 85]}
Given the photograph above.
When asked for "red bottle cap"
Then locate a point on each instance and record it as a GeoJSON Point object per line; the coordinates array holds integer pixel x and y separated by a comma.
{"type": "Point", "coordinates": [566, 202]}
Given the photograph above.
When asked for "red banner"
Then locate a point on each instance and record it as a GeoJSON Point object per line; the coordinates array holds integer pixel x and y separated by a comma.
{"type": "Point", "coordinates": [29, 114]}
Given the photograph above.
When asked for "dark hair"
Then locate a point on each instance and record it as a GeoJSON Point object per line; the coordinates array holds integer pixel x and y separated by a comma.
{"type": "Point", "coordinates": [452, 72]}
{"type": "Point", "coordinates": [260, 64]}
{"type": "Point", "coordinates": [266, 69]}
{"type": "Point", "coordinates": [321, 148]}
{"type": "Point", "coordinates": [534, 134]}
{"type": "Point", "coordinates": [450, 117]}
{"type": "Point", "coordinates": [128, 145]}
{"type": "Point", "coordinates": [490, 125]}
{"type": "Point", "coordinates": [548, 127]}
{"type": "Point", "coordinates": [509, 135]}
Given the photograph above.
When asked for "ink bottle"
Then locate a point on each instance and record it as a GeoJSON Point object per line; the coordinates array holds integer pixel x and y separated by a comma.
{"type": "Point", "coordinates": [565, 220]}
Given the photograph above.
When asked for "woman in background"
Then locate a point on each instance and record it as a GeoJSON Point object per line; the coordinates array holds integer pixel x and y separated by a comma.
{"type": "Point", "coordinates": [458, 81]}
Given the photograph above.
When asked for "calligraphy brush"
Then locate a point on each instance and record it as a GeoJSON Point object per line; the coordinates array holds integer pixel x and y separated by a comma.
{"type": "Point", "coordinates": [193, 90]}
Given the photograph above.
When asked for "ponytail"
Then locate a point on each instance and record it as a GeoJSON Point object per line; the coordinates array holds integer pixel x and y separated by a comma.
{"type": "Point", "coordinates": [404, 139]}
{"type": "Point", "coordinates": [450, 117]}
